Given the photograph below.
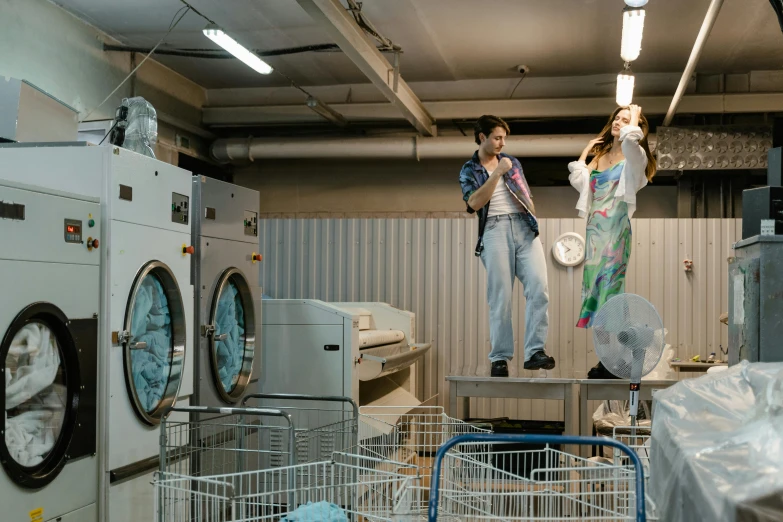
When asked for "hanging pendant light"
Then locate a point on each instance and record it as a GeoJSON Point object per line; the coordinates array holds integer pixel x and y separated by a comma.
{"type": "Point", "coordinates": [625, 84]}
{"type": "Point", "coordinates": [633, 27]}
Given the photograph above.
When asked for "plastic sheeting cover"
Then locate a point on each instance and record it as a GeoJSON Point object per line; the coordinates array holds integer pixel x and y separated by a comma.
{"type": "Point", "coordinates": [151, 323]}
{"type": "Point", "coordinates": [141, 135]}
{"type": "Point", "coordinates": [230, 320]}
{"type": "Point", "coordinates": [717, 445]}
{"type": "Point", "coordinates": [35, 395]}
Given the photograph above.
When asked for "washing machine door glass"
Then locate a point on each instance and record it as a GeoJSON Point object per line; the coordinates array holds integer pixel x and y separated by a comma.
{"type": "Point", "coordinates": [36, 394]}
{"type": "Point", "coordinates": [44, 393]}
{"type": "Point", "coordinates": [232, 341]}
{"type": "Point", "coordinates": [154, 341]}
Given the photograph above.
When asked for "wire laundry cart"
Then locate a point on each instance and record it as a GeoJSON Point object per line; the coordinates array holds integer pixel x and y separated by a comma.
{"type": "Point", "coordinates": [411, 435]}
{"type": "Point", "coordinates": [637, 438]}
{"type": "Point", "coordinates": [326, 424]}
{"type": "Point", "coordinates": [346, 487]}
{"type": "Point", "coordinates": [215, 441]}
{"type": "Point", "coordinates": [502, 484]}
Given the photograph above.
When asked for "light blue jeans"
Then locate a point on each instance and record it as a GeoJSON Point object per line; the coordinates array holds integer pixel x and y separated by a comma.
{"type": "Point", "coordinates": [511, 249]}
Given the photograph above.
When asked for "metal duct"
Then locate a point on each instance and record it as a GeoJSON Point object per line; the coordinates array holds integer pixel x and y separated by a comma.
{"type": "Point", "coordinates": [417, 148]}
{"type": "Point", "coordinates": [690, 67]}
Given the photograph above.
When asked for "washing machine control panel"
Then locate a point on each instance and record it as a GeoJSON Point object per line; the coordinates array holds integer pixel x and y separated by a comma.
{"type": "Point", "coordinates": [251, 223]}
{"type": "Point", "coordinates": [179, 208]}
{"type": "Point", "coordinates": [73, 231]}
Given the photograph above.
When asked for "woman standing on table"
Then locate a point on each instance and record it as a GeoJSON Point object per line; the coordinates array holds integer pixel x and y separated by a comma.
{"type": "Point", "coordinates": [621, 166]}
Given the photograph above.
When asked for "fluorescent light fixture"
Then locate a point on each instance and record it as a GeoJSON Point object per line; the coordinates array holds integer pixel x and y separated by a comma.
{"type": "Point", "coordinates": [215, 34]}
{"type": "Point", "coordinates": [625, 83]}
{"type": "Point", "coordinates": [633, 27]}
{"type": "Point", "coordinates": [326, 112]}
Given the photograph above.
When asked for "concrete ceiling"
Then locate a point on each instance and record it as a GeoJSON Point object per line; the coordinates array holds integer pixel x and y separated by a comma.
{"type": "Point", "coordinates": [447, 40]}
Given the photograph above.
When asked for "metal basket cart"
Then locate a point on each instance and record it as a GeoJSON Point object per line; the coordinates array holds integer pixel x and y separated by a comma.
{"type": "Point", "coordinates": [637, 438]}
{"type": "Point", "coordinates": [322, 430]}
{"type": "Point", "coordinates": [346, 487]}
{"type": "Point", "coordinates": [221, 440]}
{"type": "Point", "coordinates": [411, 435]}
{"type": "Point", "coordinates": [467, 485]}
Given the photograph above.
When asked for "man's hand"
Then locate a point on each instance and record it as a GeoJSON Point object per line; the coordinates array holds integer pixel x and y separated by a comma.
{"type": "Point", "coordinates": [503, 166]}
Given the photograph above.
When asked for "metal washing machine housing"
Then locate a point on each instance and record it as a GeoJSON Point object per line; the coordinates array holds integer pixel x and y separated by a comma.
{"type": "Point", "coordinates": [50, 280]}
{"type": "Point", "coordinates": [227, 292]}
{"type": "Point", "coordinates": [146, 317]}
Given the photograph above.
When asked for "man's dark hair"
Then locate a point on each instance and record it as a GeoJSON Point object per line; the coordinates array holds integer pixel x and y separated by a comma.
{"type": "Point", "coordinates": [486, 124]}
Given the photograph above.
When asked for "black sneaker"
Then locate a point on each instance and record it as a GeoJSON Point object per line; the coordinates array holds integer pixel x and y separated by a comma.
{"type": "Point", "coordinates": [500, 369]}
{"type": "Point", "coordinates": [540, 361]}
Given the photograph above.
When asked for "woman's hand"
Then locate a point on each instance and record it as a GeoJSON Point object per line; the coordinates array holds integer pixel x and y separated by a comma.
{"type": "Point", "coordinates": [636, 112]}
{"type": "Point", "coordinates": [589, 149]}
{"type": "Point", "coordinates": [593, 143]}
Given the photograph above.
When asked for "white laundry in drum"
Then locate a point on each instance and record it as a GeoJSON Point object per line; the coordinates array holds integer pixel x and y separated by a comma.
{"type": "Point", "coordinates": [35, 404]}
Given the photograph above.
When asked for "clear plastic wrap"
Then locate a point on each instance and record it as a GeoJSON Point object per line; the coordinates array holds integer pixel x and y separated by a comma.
{"type": "Point", "coordinates": [141, 132]}
{"type": "Point", "coordinates": [717, 446]}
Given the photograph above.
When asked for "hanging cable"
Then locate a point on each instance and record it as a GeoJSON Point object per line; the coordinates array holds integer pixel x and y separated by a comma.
{"type": "Point", "coordinates": [172, 25]}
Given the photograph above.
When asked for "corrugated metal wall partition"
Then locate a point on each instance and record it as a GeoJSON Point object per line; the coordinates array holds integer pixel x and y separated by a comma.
{"type": "Point", "coordinates": [427, 266]}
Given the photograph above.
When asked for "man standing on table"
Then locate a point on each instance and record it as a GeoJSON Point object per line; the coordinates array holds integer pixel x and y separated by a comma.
{"type": "Point", "coordinates": [494, 186]}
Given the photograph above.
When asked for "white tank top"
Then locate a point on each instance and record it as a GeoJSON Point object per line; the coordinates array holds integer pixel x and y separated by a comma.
{"type": "Point", "coordinates": [503, 201]}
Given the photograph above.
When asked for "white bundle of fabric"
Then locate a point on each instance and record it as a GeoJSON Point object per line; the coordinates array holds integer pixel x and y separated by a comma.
{"type": "Point", "coordinates": [31, 368]}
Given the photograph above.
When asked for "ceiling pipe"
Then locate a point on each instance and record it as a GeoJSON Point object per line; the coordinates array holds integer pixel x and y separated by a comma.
{"type": "Point", "coordinates": [412, 148]}
{"type": "Point", "coordinates": [690, 67]}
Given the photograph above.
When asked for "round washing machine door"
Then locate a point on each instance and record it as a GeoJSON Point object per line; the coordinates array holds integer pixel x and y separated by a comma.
{"type": "Point", "coordinates": [41, 395]}
{"type": "Point", "coordinates": [232, 342]}
{"type": "Point", "coordinates": [154, 342]}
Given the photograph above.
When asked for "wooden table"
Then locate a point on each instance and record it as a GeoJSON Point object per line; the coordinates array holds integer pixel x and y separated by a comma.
{"type": "Point", "coordinates": [690, 366]}
{"type": "Point", "coordinates": [513, 388]}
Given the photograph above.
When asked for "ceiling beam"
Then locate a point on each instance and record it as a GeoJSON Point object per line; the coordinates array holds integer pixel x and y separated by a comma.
{"type": "Point", "coordinates": [472, 109]}
{"type": "Point", "coordinates": [342, 28]}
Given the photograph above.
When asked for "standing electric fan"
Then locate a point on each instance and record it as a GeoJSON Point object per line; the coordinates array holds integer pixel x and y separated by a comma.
{"type": "Point", "coordinates": [629, 340]}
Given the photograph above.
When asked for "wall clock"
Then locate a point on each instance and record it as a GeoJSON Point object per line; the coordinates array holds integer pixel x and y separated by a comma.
{"type": "Point", "coordinates": [569, 249]}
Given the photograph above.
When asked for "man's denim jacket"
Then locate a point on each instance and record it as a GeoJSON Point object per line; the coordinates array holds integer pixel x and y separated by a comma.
{"type": "Point", "coordinates": [473, 175]}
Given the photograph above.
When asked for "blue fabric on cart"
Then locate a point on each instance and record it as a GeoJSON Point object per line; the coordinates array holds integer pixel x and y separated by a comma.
{"type": "Point", "coordinates": [151, 323]}
{"type": "Point", "coordinates": [230, 320]}
{"type": "Point", "coordinates": [316, 512]}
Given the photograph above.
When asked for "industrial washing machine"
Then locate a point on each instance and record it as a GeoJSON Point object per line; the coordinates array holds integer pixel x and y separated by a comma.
{"type": "Point", "coordinates": [146, 315]}
{"type": "Point", "coordinates": [227, 294]}
{"type": "Point", "coordinates": [50, 280]}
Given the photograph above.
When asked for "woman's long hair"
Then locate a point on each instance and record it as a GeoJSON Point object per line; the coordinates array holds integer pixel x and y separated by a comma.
{"type": "Point", "coordinates": [606, 134]}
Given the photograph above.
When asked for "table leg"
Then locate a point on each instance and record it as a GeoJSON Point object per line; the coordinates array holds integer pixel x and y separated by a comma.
{"type": "Point", "coordinates": [453, 405]}
{"type": "Point", "coordinates": [569, 396]}
{"type": "Point", "coordinates": [584, 419]}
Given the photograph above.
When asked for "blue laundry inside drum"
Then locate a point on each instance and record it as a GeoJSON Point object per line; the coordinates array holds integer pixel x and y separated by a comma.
{"type": "Point", "coordinates": [151, 324]}
{"type": "Point", "coordinates": [229, 352]}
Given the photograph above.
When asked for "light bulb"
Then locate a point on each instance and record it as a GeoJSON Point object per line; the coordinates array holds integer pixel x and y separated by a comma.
{"type": "Point", "coordinates": [625, 84]}
{"type": "Point", "coordinates": [635, 3]}
{"type": "Point", "coordinates": [633, 27]}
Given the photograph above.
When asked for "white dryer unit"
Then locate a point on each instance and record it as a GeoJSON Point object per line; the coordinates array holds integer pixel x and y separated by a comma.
{"type": "Point", "coordinates": [145, 361]}
{"type": "Point", "coordinates": [227, 307]}
{"type": "Point", "coordinates": [50, 281]}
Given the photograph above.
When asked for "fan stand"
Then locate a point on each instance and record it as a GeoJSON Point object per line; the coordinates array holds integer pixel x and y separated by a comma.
{"type": "Point", "coordinates": [637, 365]}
